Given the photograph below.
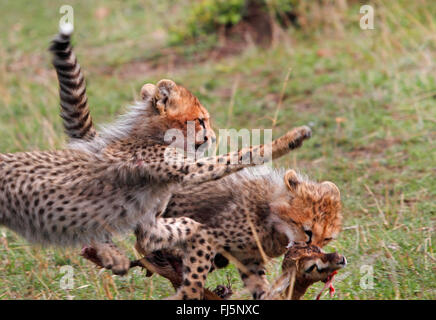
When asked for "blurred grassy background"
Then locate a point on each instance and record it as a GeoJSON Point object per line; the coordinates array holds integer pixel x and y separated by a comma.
{"type": "Point", "coordinates": [369, 94]}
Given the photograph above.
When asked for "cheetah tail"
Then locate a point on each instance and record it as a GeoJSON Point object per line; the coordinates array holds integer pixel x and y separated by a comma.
{"type": "Point", "coordinates": [72, 87]}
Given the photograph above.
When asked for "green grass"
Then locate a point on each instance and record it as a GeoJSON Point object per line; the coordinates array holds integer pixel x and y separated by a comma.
{"type": "Point", "coordinates": [369, 95]}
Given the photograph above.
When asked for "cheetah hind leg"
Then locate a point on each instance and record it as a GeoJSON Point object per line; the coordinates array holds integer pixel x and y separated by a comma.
{"type": "Point", "coordinates": [108, 256]}
{"type": "Point", "coordinates": [197, 262]}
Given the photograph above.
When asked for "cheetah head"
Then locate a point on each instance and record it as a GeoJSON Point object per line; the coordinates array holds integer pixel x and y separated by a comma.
{"type": "Point", "coordinates": [177, 108]}
{"type": "Point", "coordinates": [312, 214]}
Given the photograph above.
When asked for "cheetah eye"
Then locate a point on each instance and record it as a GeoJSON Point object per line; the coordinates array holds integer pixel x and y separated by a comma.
{"type": "Point", "coordinates": [201, 121]}
{"type": "Point", "coordinates": [309, 234]}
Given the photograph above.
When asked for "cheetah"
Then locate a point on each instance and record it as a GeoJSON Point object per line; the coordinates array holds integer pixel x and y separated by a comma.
{"type": "Point", "coordinates": [255, 208]}
{"type": "Point", "coordinates": [91, 190]}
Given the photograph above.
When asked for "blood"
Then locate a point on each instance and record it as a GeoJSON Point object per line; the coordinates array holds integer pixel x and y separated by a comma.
{"type": "Point", "coordinates": [328, 284]}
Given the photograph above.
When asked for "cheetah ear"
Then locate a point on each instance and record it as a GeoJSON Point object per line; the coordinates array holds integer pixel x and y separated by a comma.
{"type": "Point", "coordinates": [165, 87]}
{"type": "Point", "coordinates": [165, 91]}
{"type": "Point", "coordinates": [332, 188]}
{"type": "Point", "coordinates": [148, 91]}
{"type": "Point", "coordinates": [291, 180]}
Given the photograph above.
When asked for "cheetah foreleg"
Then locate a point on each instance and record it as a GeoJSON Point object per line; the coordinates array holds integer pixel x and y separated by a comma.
{"type": "Point", "coordinates": [214, 168]}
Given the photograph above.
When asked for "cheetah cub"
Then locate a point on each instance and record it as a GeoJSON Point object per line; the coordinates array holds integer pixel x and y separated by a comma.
{"type": "Point", "coordinates": [122, 178]}
{"type": "Point", "coordinates": [257, 206]}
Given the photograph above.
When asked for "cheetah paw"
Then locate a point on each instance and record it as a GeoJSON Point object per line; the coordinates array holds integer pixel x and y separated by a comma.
{"type": "Point", "coordinates": [298, 135]}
